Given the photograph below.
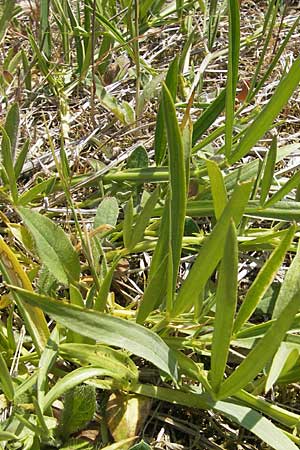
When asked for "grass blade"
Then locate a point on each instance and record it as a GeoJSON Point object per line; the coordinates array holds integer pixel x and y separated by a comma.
{"type": "Point", "coordinates": [218, 187]}
{"type": "Point", "coordinates": [269, 171]}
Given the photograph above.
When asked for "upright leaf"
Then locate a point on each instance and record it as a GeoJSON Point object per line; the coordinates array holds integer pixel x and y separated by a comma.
{"type": "Point", "coordinates": [177, 179]}
{"type": "Point", "coordinates": [218, 187]}
{"type": "Point", "coordinates": [12, 126]}
{"type": "Point", "coordinates": [232, 71]}
{"type": "Point", "coordinates": [268, 171]}
{"type": "Point", "coordinates": [226, 299]}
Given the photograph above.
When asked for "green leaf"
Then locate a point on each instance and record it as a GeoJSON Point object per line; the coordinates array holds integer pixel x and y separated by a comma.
{"type": "Point", "coordinates": [267, 179]}
{"type": "Point", "coordinates": [208, 117]}
{"type": "Point", "coordinates": [285, 359]}
{"type": "Point", "coordinates": [128, 223]}
{"type": "Point", "coordinates": [6, 380]}
{"type": "Point", "coordinates": [53, 246]}
{"type": "Point", "coordinates": [177, 179]}
{"type": "Point", "coordinates": [257, 424]}
{"type": "Point", "coordinates": [290, 285]}
{"type": "Point", "coordinates": [107, 212]}
{"type": "Point", "coordinates": [7, 161]}
{"type": "Point", "coordinates": [46, 362]}
{"type": "Point", "coordinates": [138, 158]}
{"type": "Point", "coordinates": [143, 218]}
{"type": "Point", "coordinates": [100, 356]}
{"type": "Point", "coordinates": [292, 183]}
{"type": "Point", "coordinates": [263, 280]}
{"type": "Point", "coordinates": [108, 330]}
{"type": "Point", "coordinates": [232, 72]}
{"type": "Point", "coordinates": [264, 349]}
{"type": "Point", "coordinates": [21, 158]}
{"type": "Point", "coordinates": [226, 299]}
{"type": "Point", "coordinates": [211, 251]}
{"type": "Point", "coordinates": [79, 409]}
{"type": "Point", "coordinates": [218, 187]}
{"type": "Point", "coordinates": [265, 119]}
{"type": "Point", "coordinates": [12, 127]}
{"type": "Point", "coordinates": [160, 141]}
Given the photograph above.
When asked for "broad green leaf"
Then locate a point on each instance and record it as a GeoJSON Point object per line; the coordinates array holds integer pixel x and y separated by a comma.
{"type": "Point", "coordinates": [177, 179]}
{"type": "Point", "coordinates": [211, 251]}
{"type": "Point", "coordinates": [138, 158]}
{"type": "Point", "coordinates": [79, 409]}
{"type": "Point", "coordinates": [107, 212]}
{"type": "Point", "coordinates": [53, 246]}
{"type": "Point", "coordinates": [141, 446]}
{"type": "Point", "coordinates": [263, 280]}
{"type": "Point", "coordinates": [266, 117]}
{"type": "Point", "coordinates": [107, 330]}
{"type": "Point", "coordinates": [226, 299]}
{"type": "Point", "coordinates": [232, 71]}
{"type": "Point", "coordinates": [267, 179]}
{"type": "Point", "coordinates": [263, 351]}
{"type": "Point", "coordinates": [218, 188]}
{"type": "Point", "coordinates": [290, 285]}
{"type": "Point", "coordinates": [13, 273]}
{"type": "Point", "coordinates": [6, 380]}
{"type": "Point", "coordinates": [160, 141]}
{"type": "Point", "coordinates": [12, 127]}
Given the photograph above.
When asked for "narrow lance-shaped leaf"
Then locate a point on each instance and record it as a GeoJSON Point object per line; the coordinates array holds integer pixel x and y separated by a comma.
{"type": "Point", "coordinates": [292, 183]}
{"type": "Point", "coordinates": [209, 116]}
{"type": "Point", "coordinates": [269, 171]}
{"type": "Point", "coordinates": [263, 280]}
{"type": "Point", "coordinates": [7, 162]}
{"type": "Point", "coordinates": [226, 299]}
{"type": "Point", "coordinates": [128, 223]}
{"type": "Point", "coordinates": [107, 329]}
{"type": "Point", "coordinates": [143, 218]}
{"type": "Point", "coordinates": [286, 357]}
{"type": "Point", "coordinates": [53, 246]}
{"type": "Point", "coordinates": [12, 127]}
{"type": "Point", "coordinates": [218, 187]}
{"type": "Point", "coordinates": [211, 251]}
{"type": "Point", "coordinates": [177, 179]}
{"type": "Point", "coordinates": [263, 351]}
{"type": "Point", "coordinates": [232, 72]}
{"type": "Point", "coordinates": [264, 120]}
{"type": "Point", "coordinates": [160, 141]}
